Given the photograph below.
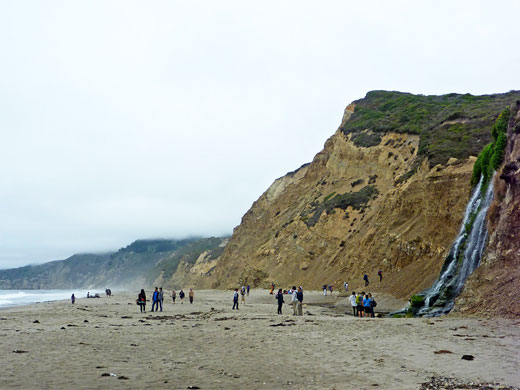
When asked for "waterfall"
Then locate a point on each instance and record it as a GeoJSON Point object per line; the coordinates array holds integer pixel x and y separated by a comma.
{"type": "Point", "coordinates": [464, 255]}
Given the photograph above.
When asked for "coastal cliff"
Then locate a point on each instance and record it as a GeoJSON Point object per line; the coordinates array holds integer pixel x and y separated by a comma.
{"type": "Point", "coordinates": [387, 192]}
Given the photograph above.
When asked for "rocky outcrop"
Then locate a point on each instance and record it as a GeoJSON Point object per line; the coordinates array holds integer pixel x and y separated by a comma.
{"type": "Point", "coordinates": [494, 288]}
{"type": "Point", "coordinates": [296, 234]}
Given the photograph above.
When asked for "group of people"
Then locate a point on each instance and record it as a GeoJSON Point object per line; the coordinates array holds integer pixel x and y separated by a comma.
{"type": "Point", "coordinates": [362, 304]}
{"type": "Point", "coordinates": [158, 298]}
{"type": "Point", "coordinates": [296, 300]}
{"type": "Point", "coordinates": [326, 287]}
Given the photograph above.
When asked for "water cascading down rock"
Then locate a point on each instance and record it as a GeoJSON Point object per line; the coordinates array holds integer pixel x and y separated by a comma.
{"type": "Point", "coordinates": [464, 255]}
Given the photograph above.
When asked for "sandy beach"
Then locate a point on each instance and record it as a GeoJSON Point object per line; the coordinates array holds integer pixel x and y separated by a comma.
{"type": "Point", "coordinates": [108, 343]}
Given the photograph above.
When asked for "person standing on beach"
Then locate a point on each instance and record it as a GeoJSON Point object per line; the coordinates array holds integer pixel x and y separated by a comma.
{"type": "Point", "coordinates": [73, 299]}
{"type": "Point", "coordinates": [161, 297]}
{"type": "Point", "coordinates": [235, 299]}
{"type": "Point", "coordinates": [367, 306]}
{"type": "Point", "coordinates": [174, 295]}
{"type": "Point", "coordinates": [141, 299]}
{"type": "Point", "coordinates": [190, 295]}
{"type": "Point", "coordinates": [345, 285]}
{"type": "Point", "coordinates": [248, 287]}
{"type": "Point", "coordinates": [331, 288]}
{"type": "Point", "coordinates": [299, 296]}
{"type": "Point", "coordinates": [155, 299]}
{"type": "Point", "coordinates": [294, 300]}
{"type": "Point", "coordinates": [365, 278]}
{"type": "Point", "coordinates": [353, 303]}
{"type": "Point", "coordinates": [279, 298]}
{"type": "Point", "coordinates": [243, 294]}
{"type": "Point", "coordinates": [272, 289]}
{"type": "Point", "coordinates": [181, 296]}
{"type": "Point", "coordinates": [324, 290]}
{"type": "Point", "coordinates": [380, 274]}
{"type": "Point", "coordinates": [373, 304]}
{"type": "Point", "coordinates": [359, 303]}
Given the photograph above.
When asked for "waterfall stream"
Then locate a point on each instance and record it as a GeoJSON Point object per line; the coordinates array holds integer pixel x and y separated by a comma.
{"type": "Point", "coordinates": [464, 255]}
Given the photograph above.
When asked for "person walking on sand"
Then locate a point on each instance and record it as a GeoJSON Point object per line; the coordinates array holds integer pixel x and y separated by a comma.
{"type": "Point", "coordinates": [155, 299]}
{"type": "Point", "coordinates": [174, 295]}
{"type": "Point", "coordinates": [299, 296]}
{"type": "Point", "coordinates": [272, 289]}
{"type": "Point", "coordinates": [161, 297]}
{"type": "Point", "coordinates": [345, 285]}
{"type": "Point", "coordinates": [294, 300]}
{"type": "Point", "coordinates": [181, 296]}
{"type": "Point", "coordinates": [353, 303]}
{"type": "Point", "coordinates": [331, 288]}
{"type": "Point", "coordinates": [243, 294]}
{"type": "Point", "coordinates": [380, 274]}
{"type": "Point", "coordinates": [141, 300]}
{"type": "Point", "coordinates": [324, 290]}
{"type": "Point", "coordinates": [248, 287]}
{"type": "Point", "coordinates": [365, 278]}
{"type": "Point", "coordinates": [191, 295]}
{"type": "Point", "coordinates": [279, 298]}
{"type": "Point", "coordinates": [72, 299]}
{"type": "Point", "coordinates": [235, 299]}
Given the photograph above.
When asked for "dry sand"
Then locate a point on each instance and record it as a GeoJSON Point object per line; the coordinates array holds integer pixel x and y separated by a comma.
{"type": "Point", "coordinates": [209, 346]}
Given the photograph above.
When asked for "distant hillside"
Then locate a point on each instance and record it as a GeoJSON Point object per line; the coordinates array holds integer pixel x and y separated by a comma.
{"type": "Point", "coordinates": [138, 264]}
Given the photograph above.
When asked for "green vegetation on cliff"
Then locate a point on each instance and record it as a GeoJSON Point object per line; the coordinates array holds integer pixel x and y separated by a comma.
{"type": "Point", "coordinates": [450, 125]}
{"type": "Point", "coordinates": [357, 200]}
{"type": "Point", "coordinates": [493, 153]}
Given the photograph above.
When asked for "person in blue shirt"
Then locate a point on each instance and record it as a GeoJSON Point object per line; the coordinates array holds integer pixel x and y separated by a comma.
{"type": "Point", "coordinates": [367, 306]}
{"type": "Point", "coordinates": [155, 299]}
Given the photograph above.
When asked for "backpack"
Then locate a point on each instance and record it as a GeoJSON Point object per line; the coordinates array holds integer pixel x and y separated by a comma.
{"type": "Point", "coordinates": [374, 303]}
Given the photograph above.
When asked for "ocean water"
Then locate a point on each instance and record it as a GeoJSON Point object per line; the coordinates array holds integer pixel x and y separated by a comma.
{"type": "Point", "coordinates": [9, 298]}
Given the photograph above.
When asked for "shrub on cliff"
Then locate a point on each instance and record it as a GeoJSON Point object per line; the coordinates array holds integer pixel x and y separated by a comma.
{"type": "Point", "coordinates": [493, 154]}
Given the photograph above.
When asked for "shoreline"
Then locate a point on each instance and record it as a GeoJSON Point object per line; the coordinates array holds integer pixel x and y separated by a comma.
{"type": "Point", "coordinates": [209, 345]}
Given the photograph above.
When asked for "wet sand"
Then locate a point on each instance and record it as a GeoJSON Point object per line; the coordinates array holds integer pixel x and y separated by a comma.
{"type": "Point", "coordinates": [108, 343]}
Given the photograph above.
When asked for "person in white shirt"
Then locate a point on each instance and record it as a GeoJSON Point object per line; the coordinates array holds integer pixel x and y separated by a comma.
{"type": "Point", "coordinates": [353, 303]}
{"type": "Point", "coordinates": [345, 284]}
{"type": "Point", "coordinates": [294, 301]}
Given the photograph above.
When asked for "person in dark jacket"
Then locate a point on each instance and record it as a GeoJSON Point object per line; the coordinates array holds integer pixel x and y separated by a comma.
{"type": "Point", "coordinates": [299, 296]}
{"type": "Point", "coordinates": [279, 298]}
{"type": "Point", "coordinates": [141, 300]}
{"type": "Point", "coordinates": [155, 299]}
{"type": "Point", "coordinates": [235, 299]}
{"type": "Point", "coordinates": [181, 296]}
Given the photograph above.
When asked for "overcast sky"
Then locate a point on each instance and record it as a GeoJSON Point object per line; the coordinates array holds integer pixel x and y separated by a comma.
{"type": "Point", "coordinates": [122, 120]}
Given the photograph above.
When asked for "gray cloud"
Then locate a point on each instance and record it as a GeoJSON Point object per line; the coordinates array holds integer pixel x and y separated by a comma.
{"type": "Point", "coordinates": [124, 120]}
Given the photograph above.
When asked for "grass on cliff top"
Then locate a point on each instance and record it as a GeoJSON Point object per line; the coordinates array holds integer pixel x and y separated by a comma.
{"type": "Point", "coordinates": [469, 120]}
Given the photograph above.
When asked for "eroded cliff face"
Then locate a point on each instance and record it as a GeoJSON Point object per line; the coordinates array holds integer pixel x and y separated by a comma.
{"type": "Point", "coordinates": [494, 288]}
{"type": "Point", "coordinates": [353, 210]}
